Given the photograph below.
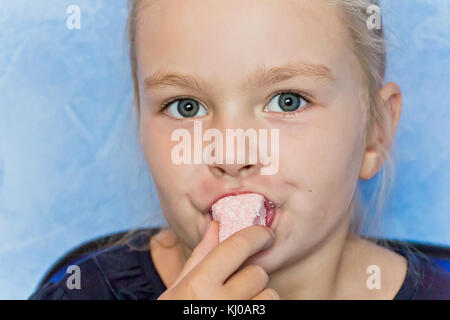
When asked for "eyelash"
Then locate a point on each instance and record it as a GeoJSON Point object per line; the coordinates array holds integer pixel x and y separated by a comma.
{"type": "Point", "coordinates": [283, 114]}
{"type": "Point", "coordinates": [302, 95]}
{"type": "Point", "coordinates": [169, 102]}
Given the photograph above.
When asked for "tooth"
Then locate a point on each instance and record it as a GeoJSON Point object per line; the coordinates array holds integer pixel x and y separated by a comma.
{"type": "Point", "coordinates": [238, 212]}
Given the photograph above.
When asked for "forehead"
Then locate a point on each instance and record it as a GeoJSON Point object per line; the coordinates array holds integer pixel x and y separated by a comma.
{"type": "Point", "coordinates": [230, 37]}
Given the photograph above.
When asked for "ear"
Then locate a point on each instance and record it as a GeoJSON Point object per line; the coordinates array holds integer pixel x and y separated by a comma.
{"type": "Point", "coordinates": [391, 105]}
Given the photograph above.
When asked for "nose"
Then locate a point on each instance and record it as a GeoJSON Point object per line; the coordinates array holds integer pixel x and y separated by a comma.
{"type": "Point", "coordinates": [240, 158]}
{"type": "Point", "coordinates": [234, 170]}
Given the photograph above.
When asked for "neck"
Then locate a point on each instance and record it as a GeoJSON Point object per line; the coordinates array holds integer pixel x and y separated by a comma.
{"type": "Point", "coordinates": [315, 275]}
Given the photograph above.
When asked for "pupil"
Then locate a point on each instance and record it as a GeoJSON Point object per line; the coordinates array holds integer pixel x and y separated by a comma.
{"type": "Point", "coordinates": [188, 108]}
{"type": "Point", "coordinates": [289, 102]}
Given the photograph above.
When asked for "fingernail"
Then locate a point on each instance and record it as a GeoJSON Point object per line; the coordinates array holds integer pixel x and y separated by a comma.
{"type": "Point", "coordinates": [275, 295]}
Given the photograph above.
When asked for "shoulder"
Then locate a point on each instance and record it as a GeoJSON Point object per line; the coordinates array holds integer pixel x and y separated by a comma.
{"type": "Point", "coordinates": [434, 282]}
{"type": "Point", "coordinates": [425, 279]}
{"type": "Point", "coordinates": [120, 272]}
{"type": "Point", "coordinates": [410, 272]}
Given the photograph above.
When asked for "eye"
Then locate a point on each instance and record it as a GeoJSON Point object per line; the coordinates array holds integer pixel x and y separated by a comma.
{"type": "Point", "coordinates": [286, 102]}
{"type": "Point", "coordinates": [185, 108]}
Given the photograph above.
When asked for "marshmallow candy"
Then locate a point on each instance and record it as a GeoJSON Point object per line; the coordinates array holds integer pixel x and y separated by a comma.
{"type": "Point", "coordinates": [238, 212]}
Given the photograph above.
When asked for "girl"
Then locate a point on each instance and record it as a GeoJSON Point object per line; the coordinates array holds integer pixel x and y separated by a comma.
{"type": "Point", "coordinates": [314, 70]}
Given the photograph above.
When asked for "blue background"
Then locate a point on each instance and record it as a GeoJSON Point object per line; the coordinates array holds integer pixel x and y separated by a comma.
{"type": "Point", "coordinates": [70, 168]}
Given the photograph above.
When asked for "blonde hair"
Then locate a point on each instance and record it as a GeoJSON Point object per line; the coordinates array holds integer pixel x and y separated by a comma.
{"type": "Point", "coordinates": [369, 47]}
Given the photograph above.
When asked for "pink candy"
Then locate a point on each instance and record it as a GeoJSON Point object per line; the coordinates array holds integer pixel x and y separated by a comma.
{"type": "Point", "coordinates": [238, 212]}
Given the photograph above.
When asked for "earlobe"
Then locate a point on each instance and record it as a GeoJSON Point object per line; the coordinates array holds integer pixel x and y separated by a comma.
{"type": "Point", "coordinates": [369, 166]}
{"type": "Point", "coordinates": [371, 160]}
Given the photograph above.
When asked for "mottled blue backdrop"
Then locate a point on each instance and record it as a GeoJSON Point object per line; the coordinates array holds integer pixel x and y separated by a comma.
{"type": "Point", "coordinates": [70, 168]}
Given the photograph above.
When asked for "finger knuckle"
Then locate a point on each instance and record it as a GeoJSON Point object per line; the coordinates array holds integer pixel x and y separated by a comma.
{"type": "Point", "coordinates": [194, 286]}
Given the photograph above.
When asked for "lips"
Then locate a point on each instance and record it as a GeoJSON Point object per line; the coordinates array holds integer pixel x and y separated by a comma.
{"type": "Point", "coordinates": [270, 205]}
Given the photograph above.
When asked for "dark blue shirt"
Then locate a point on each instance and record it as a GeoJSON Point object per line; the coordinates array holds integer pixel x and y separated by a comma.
{"type": "Point", "coordinates": [120, 273]}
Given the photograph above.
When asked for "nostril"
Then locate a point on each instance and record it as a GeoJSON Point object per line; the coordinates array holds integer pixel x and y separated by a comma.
{"type": "Point", "coordinates": [233, 170]}
{"type": "Point", "coordinates": [218, 171]}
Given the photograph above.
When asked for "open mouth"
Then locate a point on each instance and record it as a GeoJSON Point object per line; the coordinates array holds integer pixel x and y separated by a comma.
{"type": "Point", "coordinates": [270, 206]}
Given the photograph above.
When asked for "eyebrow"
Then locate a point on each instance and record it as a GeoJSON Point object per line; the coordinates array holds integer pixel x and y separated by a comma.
{"type": "Point", "coordinates": [261, 77]}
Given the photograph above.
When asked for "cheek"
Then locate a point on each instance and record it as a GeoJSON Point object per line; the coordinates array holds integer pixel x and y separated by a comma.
{"type": "Point", "coordinates": [313, 153]}
{"type": "Point", "coordinates": [322, 151]}
{"type": "Point", "coordinates": [157, 147]}
{"type": "Point", "coordinates": [320, 158]}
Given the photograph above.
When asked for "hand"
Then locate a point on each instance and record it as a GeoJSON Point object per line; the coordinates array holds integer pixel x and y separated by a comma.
{"type": "Point", "coordinates": [211, 272]}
